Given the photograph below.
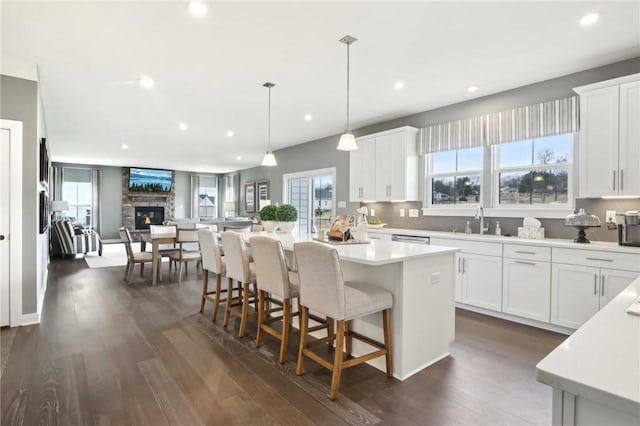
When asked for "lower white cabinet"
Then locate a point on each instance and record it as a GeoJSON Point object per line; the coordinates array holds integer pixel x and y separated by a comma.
{"type": "Point", "coordinates": [480, 280]}
{"type": "Point", "coordinates": [578, 292]}
{"type": "Point", "coordinates": [378, 236]}
{"type": "Point", "coordinates": [526, 289]}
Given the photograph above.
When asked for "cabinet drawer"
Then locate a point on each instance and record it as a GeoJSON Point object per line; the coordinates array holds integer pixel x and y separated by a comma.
{"type": "Point", "coordinates": [595, 258]}
{"type": "Point", "coordinates": [476, 247]}
{"type": "Point", "coordinates": [533, 253]}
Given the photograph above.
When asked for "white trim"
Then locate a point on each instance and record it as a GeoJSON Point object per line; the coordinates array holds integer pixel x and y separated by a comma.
{"type": "Point", "coordinates": [15, 218]}
{"type": "Point", "coordinates": [328, 171]}
{"type": "Point", "coordinates": [469, 211]}
{"type": "Point", "coordinates": [607, 83]}
{"type": "Point", "coordinates": [18, 68]}
{"type": "Point", "coordinates": [387, 132]}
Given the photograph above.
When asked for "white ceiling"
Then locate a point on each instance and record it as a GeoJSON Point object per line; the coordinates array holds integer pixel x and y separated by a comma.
{"type": "Point", "coordinates": [209, 73]}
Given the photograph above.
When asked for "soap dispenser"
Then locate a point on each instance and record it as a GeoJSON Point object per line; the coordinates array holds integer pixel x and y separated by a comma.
{"type": "Point", "coordinates": [467, 228]}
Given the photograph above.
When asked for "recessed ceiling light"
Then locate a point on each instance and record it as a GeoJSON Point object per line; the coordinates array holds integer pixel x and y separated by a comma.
{"type": "Point", "coordinates": [589, 19]}
{"type": "Point", "coordinates": [198, 9]}
{"type": "Point", "coordinates": [399, 85]}
{"type": "Point", "coordinates": [124, 146]}
{"type": "Point", "coordinates": [308, 117]}
{"type": "Point", "coordinates": [182, 126]}
{"type": "Point", "coordinates": [146, 82]}
{"type": "Point", "coordinates": [472, 88]}
{"type": "Point", "coordinates": [239, 157]}
{"type": "Point", "coordinates": [230, 133]}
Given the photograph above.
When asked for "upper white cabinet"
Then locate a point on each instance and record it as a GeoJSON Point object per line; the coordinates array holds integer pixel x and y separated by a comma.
{"type": "Point", "coordinates": [361, 170]}
{"type": "Point", "coordinates": [610, 137]}
{"type": "Point", "coordinates": [384, 167]}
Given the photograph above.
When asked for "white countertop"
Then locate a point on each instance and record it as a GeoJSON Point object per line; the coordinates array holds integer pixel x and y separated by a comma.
{"type": "Point", "coordinates": [377, 252]}
{"type": "Point", "coordinates": [601, 360]}
{"type": "Point", "coordinates": [549, 242]}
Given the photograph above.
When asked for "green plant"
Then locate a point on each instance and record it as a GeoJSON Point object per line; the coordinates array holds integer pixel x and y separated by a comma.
{"type": "Point", "coordinates": [287, 213]}
{"type": "Point", "coordinates": [269, 213]}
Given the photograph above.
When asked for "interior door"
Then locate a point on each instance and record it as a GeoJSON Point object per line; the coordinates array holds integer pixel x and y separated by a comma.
{"type": "Point", "coordinates": [5, 176]}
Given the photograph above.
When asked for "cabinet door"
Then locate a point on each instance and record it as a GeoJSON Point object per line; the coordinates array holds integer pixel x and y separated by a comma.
{"type": "Point", "coordinates": [355, 174]}
{"type": "Point", "coordinates": [379, 236]}
{"type": "Point", "coordinates": [629, 161]}
{"type": "Point", "coordinates": [398, 162]}
{"type": "Point", "coordinates": [482, 281]}
{"type": "Point", "coordinates": [526, 289]}
{"type": "Point", "coordinates": [368, 149]}
{"type": "Point", "coordinates": [383, 167]}
{"type": "Point", "coordinates": [599, 142]}
{"type": "Point", "coordinates": [574, 294]}
{"type": "Point", "coordinates": [612, 282]}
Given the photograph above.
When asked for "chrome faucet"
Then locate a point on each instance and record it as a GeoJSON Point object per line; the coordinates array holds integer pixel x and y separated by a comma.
{"type": "Point", "coordinates": [480, 215]}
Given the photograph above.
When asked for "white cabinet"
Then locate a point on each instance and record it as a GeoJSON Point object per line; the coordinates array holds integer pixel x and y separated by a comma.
{"type": "Point", "coordinates": [610, 137]}
{"type": "Point", "coordinates": [583, 281]}
{"type": "Point", "coordinates": [478, 272]}
{"type": "Point", "coordinates": [378, 235]}
{"type": "Point", "coordinates": [384, 167]}
{"type": "Point", "coordinates": [361, 171]}
{"type": "Point", "coordinates": [526, 281]}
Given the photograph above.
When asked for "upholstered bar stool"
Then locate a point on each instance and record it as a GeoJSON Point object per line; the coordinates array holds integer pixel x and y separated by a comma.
{"type": "Point", "coordinates": [275, 278]}
{"type": "Point", "coordinates": [323, 289]}
{"type": "Point", "coordinates": [240, 269]}
{"type": "Point", "coordinates": [212, 261]}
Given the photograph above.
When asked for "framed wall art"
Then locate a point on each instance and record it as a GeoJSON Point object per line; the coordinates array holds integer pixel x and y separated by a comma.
{"type": "Point", "coordinates": [262, 190]}
{"type": "Point", "coordinates": [250, 197]}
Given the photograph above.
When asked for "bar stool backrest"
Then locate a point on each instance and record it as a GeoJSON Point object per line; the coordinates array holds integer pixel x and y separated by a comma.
{"type": "Point", "coordinates": [237, 228]}
{"type": "Point", "coordinates": [321, 282]}
{"type": "Point", "coordinates": [271, 265]}
{"type": "Point", "coordinates": [236, 257]}
{"type": "Point", "coordinates": [210, 251]}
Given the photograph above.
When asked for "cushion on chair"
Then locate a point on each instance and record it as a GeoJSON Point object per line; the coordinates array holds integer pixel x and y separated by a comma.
{"type": "Point", "coordinates": [144, 256]}
{"type": "Point", "coordinates": [362, 299]}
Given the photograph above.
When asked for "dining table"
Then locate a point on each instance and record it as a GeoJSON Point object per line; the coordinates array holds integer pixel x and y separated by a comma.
{"type": "Point", "coordinates": [156, 240]}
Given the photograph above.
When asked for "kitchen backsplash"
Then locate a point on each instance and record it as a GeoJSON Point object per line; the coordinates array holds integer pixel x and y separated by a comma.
{"type": "Point", "coordinates": [554, 228]}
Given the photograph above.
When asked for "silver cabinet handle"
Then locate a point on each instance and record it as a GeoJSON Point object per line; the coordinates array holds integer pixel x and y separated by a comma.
{"type": "Point", "coordinates": [602, 288]}
{"type": "Point", "coordinates": [459, 265]}
{"type": "Point", "coordinates": [463, 265]}
{"type": "Point", "coordinates": [621, 179]}
{"type": "Point", "coordinates": [524, 263]}
{"type": "Point", "coordinates": [373, 238]}
{"type": "Point", "coordinates": [525, 252]}
{"type": "Point", "coordinates": [599, 259]}
{"type": "Point", "coordinates": [595, 284]}
{"type": "Point", "coordinates": [614, 180]}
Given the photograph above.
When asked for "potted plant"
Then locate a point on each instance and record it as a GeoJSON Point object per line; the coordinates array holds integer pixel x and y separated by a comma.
{"type": "Point", "coordinates": [287, 216]}
{"type": "Point", "coordinates": [269, 218]}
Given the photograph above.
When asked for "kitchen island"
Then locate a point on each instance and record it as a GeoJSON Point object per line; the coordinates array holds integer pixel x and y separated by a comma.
{"type": "Point", "coordinates": [421, 279]}
{"type": "Point", "coordinates": [595, 373]}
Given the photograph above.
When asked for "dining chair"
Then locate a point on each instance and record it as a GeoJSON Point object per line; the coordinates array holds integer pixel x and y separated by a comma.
{"type": "Point", "coordinates": [323, 289]}
{"type": "Point", "coordinates": [182, 256]}
{"type": "Point", "coordinates": [165, 249]}
{"type": "Point", "coordinates": [140, 257]}
{"type": "Point", "coordinates": [274, 279]}
{"type": "Point", "coordinates": [214, 262]}
{"type": "Point", "coordinates": [237, 228]}
{"type": "Point", "coordinates": [239, 268]}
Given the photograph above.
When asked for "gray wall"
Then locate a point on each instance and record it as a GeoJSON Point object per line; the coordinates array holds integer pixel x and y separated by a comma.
{"type": "Point", "coordinates": [322, 153]}
{"type": "Point", "coordinates": [19, 101]}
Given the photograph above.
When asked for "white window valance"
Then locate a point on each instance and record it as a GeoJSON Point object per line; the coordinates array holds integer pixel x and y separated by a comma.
{"type": "Point", "coordinates": [549, 118]}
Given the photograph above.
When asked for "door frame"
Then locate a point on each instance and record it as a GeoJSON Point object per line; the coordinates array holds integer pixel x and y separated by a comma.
{"type": "Point", "coordinates": [328, 171]}
{"type": "Point", "coordinates": [15, 221]}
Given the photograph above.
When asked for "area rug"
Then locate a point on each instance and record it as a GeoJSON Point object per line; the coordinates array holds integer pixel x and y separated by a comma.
{"type": "Point", "coordinates": [112, 255]}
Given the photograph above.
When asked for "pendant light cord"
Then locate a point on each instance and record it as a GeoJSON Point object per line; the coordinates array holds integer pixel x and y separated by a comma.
{"type": "Point", "coordinates": [269, 125]}
{"type": "Point", "coordinates": [348, 45]}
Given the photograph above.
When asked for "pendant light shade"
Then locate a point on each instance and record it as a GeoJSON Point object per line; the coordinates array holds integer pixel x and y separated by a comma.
{"type": "Point", "coordinates": [269, 159]}
{"type": "Point", "coordinates": [347, 140]}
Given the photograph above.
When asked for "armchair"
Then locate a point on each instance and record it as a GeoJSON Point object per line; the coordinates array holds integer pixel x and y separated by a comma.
{"type": "Point", "coordinates": [66, 241]}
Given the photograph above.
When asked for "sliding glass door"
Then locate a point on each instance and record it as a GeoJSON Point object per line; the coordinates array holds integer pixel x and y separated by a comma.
{"type": "Point", "coordinates": [311, 193]}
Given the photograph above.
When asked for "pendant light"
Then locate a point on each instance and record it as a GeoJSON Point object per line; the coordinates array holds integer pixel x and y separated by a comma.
{"type": "Point", "coordinates": [269, 159]}
{"type": "Point", "coordinates": [347, 140]}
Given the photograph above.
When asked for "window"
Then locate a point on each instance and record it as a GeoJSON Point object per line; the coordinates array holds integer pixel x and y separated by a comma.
{"type": "Point", "coordinates": [534, 171]}
{"type": "Point", "coordinates": [311, 193]}
{"type": "Point", "coordinates": [456, 176]}
{"type": "Point", "coordinates": [76, 190]}
{"type": "Point", "coordinates": [207, 197]}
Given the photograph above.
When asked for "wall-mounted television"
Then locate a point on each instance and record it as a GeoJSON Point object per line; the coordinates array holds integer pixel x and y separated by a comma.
{"type": "Point", "coordinates": [149, 180]}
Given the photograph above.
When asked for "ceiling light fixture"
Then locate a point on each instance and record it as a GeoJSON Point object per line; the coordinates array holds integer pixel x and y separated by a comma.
{"type": "Point", "coordinates": [589, 19]}
{"type": "Point", "coordinates": [399, 85]}
{"type": "Point", "coordinates": [229, 133]}
{"type": "Point", "coordinates": [347, 140]}
{"type": "Point", "coordinates": [182, 126]}
{"type": "Point", "coordinates": [308, 117]}
{"type": "Point", "coordinates": [124, 146]}
{"type": "Point", "coordinates": [198, 9]}
{"type": "Point", "coordinates": [146, 82]}
{"type": "Point", "coordinates": [472, 88]}
{"type": "Point", "coordinates": [269, 159]}
{"type": "Point", "coordinates": [239, 157]}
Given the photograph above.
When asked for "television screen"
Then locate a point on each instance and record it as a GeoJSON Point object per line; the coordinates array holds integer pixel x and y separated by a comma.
{"type": "Point", "coordinates": [149, 180]}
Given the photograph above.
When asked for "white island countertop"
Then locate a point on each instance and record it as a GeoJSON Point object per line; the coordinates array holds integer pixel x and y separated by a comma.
{"type": "Point", "coordinates": [601, 360]}
{"type": "Point", "coordinates": [377, 252]}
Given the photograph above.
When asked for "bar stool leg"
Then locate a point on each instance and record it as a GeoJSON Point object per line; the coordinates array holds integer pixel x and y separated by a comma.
{"type": "Point", "coordinates": [330, 332]}
{"type": "Point", "coordinates": [286, 328]}
{"type": "Point", "coordinates": [227, 310]}
{"type": "Point", "coordinates": [245, 308]}
{"type": "Point", "coordinates": [348, 337]}
{"type": "Point", "coordinates": [261, 297]}
{"type": "Point", "coordinates": [218, 291]}
{"type": "Point", "coordinates": [205, 287]}
{"type": "Point", "coordinates": [386, 325]}
{"type": "Point", "coordinates": [304, 325]}
{"type": "Point", "coordinates": [337, 361]}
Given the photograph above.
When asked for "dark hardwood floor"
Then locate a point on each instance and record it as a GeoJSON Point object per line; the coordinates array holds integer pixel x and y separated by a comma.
{"type": "Point", "coordinates": [111, 354]}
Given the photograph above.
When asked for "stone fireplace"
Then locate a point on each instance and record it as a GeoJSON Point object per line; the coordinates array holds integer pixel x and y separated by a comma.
{"type": "Point", "coordinates": [145, 200]}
